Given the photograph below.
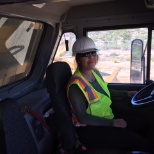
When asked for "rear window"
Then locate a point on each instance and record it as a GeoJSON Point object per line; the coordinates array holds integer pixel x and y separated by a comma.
{"type": "Point", "coordinates": [19, 40]}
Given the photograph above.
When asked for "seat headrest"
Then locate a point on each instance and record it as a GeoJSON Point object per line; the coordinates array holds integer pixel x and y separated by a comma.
{"type": "Point", "coordinates": [57, 76]}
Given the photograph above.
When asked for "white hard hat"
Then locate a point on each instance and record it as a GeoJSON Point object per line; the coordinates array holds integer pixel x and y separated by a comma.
{"type": "Point", "coordinates": [82, 45]}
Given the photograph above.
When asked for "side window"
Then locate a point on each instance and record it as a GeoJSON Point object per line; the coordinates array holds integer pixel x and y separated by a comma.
{"type": "Point", "coordinates": [120, 54]}
{"type": "Point", "coordinates": [152, 58]}
{"type": "Point", "coordinates": [19, 40]}
{"type": "Point", "coordinates": [64, 51]}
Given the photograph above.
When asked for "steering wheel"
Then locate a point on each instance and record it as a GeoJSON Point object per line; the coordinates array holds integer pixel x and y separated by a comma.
{"type": "Point", "coordinates": [144, 96]}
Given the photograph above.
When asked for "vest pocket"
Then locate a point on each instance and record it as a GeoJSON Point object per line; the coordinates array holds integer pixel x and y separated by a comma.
{"type": "Point", "coordinates": [96, 109]}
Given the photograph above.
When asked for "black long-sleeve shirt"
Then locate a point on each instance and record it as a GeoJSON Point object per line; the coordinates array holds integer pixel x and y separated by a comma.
{"type": "Point", "coordinates": [80, 104]}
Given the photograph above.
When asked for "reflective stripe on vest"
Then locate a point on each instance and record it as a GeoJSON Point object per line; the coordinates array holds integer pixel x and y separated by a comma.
{"type": "Point", "coordinates": [90, 93]}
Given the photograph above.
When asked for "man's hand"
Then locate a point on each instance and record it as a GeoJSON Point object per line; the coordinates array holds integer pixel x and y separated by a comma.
{"type": "Point", "coordinates": [120, 123]}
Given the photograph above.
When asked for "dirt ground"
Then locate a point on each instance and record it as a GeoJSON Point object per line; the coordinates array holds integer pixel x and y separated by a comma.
{"type": "Point", "coordinates": [113, 64]}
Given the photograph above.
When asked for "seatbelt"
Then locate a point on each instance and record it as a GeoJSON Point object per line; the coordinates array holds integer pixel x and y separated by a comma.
{"type": "Point", "coordinates": [100, 89]}
{"type": "Point", "coordinates": [2, 136]}
{"type": "Point", "coordinates": [33, 113]}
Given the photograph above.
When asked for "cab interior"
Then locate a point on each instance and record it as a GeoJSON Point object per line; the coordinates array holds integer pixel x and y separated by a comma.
{"type": "Point", "coordinates": [36, 34]}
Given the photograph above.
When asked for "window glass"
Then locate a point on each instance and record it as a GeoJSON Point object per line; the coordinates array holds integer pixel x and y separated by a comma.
{"type": "Point", "coordinates": [19, 40]}
{"type": "Point", "coordinates": [120, 61]}
{"type": "Point", "coordinates": [152, 58]}
{"type": "Point", "coordinates": [64, 52]}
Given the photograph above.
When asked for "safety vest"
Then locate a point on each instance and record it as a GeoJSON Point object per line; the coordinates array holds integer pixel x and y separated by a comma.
{"type": "Point", "coordinates": [98, 103]}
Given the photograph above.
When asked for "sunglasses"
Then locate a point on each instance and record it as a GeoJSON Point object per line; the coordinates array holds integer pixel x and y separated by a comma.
{"type": "Point", "coordinates": [87, 54]}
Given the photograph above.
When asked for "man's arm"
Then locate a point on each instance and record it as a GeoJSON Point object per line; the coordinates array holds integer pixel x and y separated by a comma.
{"type": "Point", "coordinates": [80, 104]}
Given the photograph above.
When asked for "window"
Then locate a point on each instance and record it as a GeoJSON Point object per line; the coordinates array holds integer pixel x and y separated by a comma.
{"type": "Point", "coordinates": [122, 53]}
{"type": "Point", "coordinates": [120, 61]}
{"type": "Point", "coordinates": [64, 52]}
{"type": "Point", "coordinates": [19, 40]}
{"type": "Point", "coordinates": [152, 58]}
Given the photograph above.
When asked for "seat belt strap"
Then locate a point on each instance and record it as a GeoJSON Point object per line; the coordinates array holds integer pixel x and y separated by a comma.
{"type": "Point", "coordinates": [2, 136]}
{"type": "Point", "coordinates": [33, 113]}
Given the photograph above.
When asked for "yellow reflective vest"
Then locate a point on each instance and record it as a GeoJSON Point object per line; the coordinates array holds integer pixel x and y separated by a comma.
{"type": "Point", "coordinates": [98, 103]}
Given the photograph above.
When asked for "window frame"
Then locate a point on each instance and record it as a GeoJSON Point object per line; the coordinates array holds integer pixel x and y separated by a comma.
{"type": "Point", "coordinates": [150, 27]}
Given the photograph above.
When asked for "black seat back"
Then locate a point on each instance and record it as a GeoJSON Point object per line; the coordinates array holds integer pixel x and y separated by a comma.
{"type": "Point", "coordinates": [57, 77]}
{"type": "Point", "coordinates": [16, 136]}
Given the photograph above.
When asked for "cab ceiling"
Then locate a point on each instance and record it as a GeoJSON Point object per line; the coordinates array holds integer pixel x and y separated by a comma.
{"type": "Point", "coordinates": [67, 10]}
{"type": "Point", "coordinates": [45, 10]}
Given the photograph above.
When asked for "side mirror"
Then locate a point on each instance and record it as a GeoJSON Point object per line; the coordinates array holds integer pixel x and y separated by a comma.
{"type": "Point", "coordinates": [137, 62]}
